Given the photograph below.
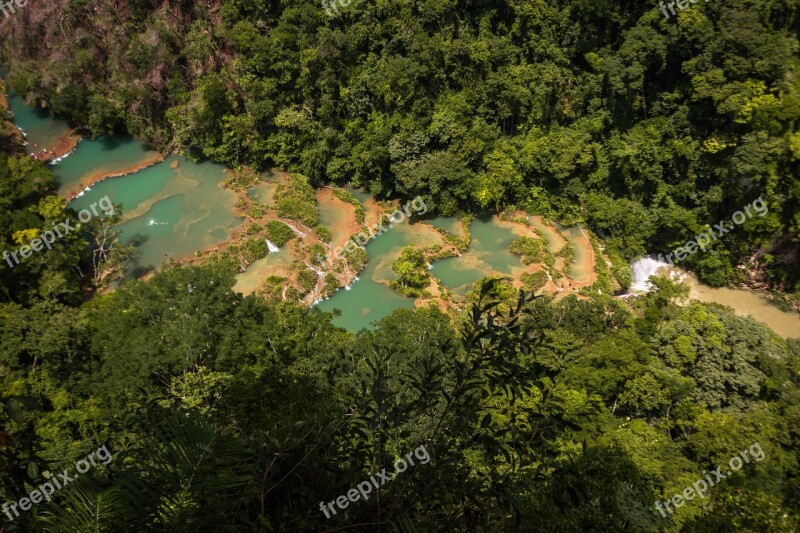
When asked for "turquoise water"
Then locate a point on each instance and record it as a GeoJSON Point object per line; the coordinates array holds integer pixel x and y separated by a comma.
{"type": "Point", "coordinates": [490, 243]}
{"type": "Point", "coordinates": [169, 212]}
{"type": "Point", "coordinates": [369, 300]}
{"type": "Point", "coordinates": [361, 195]}
{"type": "Point", "coordinates": [488, 255]}
{"type": "Point", "coordinates": [457, 274]}
{"type": "Point", "coordinates": [450, 224]}
{"type": "Point", "coordinates": [41, 128]}
{"type": "Point", "coordinates": [106, 155]}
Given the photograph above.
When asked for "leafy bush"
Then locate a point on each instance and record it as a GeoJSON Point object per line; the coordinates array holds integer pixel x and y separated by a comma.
{"type": "Point", "coordinates": [258, 210]}
{"type": "Point", "coordinates": [307, 279]}
{"type": "Point", "coordinates": [412, 272]}
{"type": "Point", "coordinates": [620, 269]}
{"type": "Point", "coordinates": [316, 251]}
{"type": "Point", "coordinates": [534, 281]}
{"type": "Point", "coordinates": [331, 285]}
{"type": "Point", "coordinates": [357, 259]}
{"type": "Point", "coordinates": [278, 232]}
{"type": "Point", "coordinates": [529, 248]}
{"type": "Point", "coordinates": [323, 233]}
{"type": "Point", "coordinates": [567, 252]}
{"type": "Point", "coordinates": [297, 201]}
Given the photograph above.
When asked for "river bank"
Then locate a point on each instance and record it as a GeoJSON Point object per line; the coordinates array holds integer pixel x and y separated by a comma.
{"type": "Point", "coordinates": [744, 302]}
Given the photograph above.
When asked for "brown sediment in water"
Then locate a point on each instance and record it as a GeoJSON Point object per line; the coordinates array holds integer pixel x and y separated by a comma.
{"type": "Point", "coordinates": [341, 235]}
{"type": "Point", "coordinates": [744, 302]}
{"type": "Point", "coordinates": [589, 259]}
{"type": "Point", "coordinates": [435, 297]}
{"type": "Point", "coordinates": [373, 212]}
{"type": "Point", "coordinates": [252, 281]}
{"type": "Point", "coordinates": [100, 175]}
{"type": "Point", "coordinates": [65, 144]}
{"type": "Point", "coordinates": [555, 240]}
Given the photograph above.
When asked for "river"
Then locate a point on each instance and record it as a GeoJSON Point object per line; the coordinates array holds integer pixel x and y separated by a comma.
{"type": "Point", "coordinates": [743, 302]}
{"type": "Point", "coordinates": [175, 207]}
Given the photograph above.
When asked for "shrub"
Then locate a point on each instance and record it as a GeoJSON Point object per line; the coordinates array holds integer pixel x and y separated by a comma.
{"type": "Point", "coordinates": [534, 281]}
{"type": "Point", "coordinates": [331, 285]}
{"type": "Point", "coordinates": [323, 233]}
{"type": "Point", "coordinates": [567, 252]}
{"type": "Point", "coordinates": [278, 232]}
{"type": "Point", "coordinates": [258, 210]}
{"type": "Point", "coordinates": [307, 279]}
{"type": "Point", "coordinates": [317, 252]}
{"type": "Point", "coordinates": [297, 201]}
{"type": "Point", "coordinates": [529, 248]}
{"type": "Point", "coordinates": [411, 272]}
{"type": "Point", "coordinates": [357, 259]}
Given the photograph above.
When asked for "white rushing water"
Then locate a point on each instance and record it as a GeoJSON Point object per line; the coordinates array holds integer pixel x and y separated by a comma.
{"type": "Point", "coordinates": [272, 248]}
{"type": "Point", "coordinates": [643, 268]}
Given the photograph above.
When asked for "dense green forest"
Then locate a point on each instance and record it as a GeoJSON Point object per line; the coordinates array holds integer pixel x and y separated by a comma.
{"type": "Point", "coordinates": [230, 413]}
{"type": "Point", "coordinates": [223, 413]}
{"type": "Point", "coordinates": [645, 127]}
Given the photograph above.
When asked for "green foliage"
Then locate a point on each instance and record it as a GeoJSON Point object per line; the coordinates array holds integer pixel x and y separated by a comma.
{"type": "Point", "coordinates": [535, 281]}
{"type": "Point", "coordinates": [30, 207]}
{"type": "Point", "coordinates": [357, 259]}
{"type": "Point", "coordinates": [297, 200]}
{"type": "Point", "coordinates": [621, 269]}
{"type": "Point", "coordinates": [323, 233]}
{"type": "Point", "coordinates": [307, 279]}
{"type": "Point", "coordinates": [594, 123]}
{"type": "Point", "coordinates": [530, 248]}
{"type": "Point", "coordinates": [258, 210]}
{"type": "Point", "coordinates": [411, 272]}
{"type": "Point", "coordinates": [278, 233]}
{"type": "Point", "coordinates": [567, 252]}
{"type": "Point", "coordinates": [227, 412]}
{"type": "Point", "coordinates": [209, 414]}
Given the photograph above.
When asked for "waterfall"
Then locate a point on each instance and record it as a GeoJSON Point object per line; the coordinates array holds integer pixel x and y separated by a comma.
{"type": "Point", "coordinates": [643, 268]}
{"type": "Point", "coordinates": [317, 271]}
{"type": "Point", "coordinates": [272, 248]}
{"type": "Point", "coordinates": [297, 231]}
